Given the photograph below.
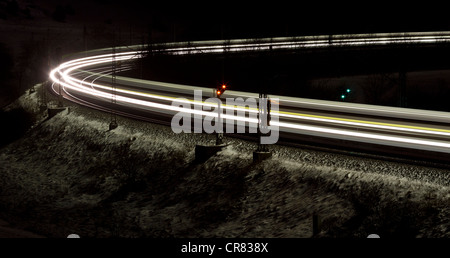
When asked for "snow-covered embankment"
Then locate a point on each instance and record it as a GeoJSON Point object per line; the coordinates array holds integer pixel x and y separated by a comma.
{"type": "Point", "coordinates": [70, 174]}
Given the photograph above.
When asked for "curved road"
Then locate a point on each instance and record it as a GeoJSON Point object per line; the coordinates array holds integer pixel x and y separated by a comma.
{"type": "Point", "coordinates": [86, 79]}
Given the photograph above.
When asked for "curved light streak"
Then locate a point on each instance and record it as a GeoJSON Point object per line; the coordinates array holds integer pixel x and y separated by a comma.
{"type": "Point", "coordinates": [66, 74]}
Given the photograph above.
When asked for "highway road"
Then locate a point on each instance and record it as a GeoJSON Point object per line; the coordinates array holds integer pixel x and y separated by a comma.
{"type": "Point", "coordinates": [86, 79]}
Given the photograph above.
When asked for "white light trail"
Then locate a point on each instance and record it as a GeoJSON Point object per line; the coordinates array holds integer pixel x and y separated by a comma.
{"type": "Point", "coordinates": [64, 75]}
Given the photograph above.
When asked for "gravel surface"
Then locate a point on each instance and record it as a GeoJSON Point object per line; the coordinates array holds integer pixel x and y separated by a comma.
{"type": "Point", "coordinates": [70, 174]}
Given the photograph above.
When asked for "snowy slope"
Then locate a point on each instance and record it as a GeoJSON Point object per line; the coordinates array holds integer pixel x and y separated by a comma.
{"type": "Point", "coordinates": [70, 174]}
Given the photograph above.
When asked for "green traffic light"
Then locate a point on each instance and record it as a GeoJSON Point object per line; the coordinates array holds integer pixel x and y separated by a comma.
{"type": "Point", "coordinates": [342, 96]}
{"type": "Point", "coordinates": [348, 90]}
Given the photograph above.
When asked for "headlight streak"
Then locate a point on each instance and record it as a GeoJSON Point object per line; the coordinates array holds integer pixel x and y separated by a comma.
{"type": "Point", "coordinates": [64, 75]}
{"type": "Point", "coordinates": [304, 42]}
{"type": "Point", "coordinates": [372, 137]}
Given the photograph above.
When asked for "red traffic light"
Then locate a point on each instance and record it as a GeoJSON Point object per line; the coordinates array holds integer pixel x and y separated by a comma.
{"type": "Point", "coordinates": [221, 89]}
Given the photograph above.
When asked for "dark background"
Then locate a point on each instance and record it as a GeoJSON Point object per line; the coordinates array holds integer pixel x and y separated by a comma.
{"type": "Point", "coordinates": [37, 33]}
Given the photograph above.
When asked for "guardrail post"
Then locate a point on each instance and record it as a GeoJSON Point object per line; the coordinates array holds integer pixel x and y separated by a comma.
{"type": "Point", "coordinates": [113, 124]}
{"type": "Point", "coordinates": [262, 153]}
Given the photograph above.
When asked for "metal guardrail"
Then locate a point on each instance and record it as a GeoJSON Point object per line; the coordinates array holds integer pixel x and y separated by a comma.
{"type": "Point", "coordinates": [279, 43]}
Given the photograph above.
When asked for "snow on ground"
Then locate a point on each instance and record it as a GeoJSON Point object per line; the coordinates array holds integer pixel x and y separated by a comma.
{"type": "Point", "coordinates": [7, 231]}
{"type": "Point", "coordinates": [70, 174]}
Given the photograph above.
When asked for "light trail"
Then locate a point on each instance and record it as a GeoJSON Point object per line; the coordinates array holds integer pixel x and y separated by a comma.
{"type": "Point", "coordinates": [69, 76]}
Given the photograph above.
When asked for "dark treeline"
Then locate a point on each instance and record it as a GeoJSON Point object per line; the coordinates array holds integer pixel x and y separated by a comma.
{"type": "Point", "coordinates": [18, 73]}
{"type": "Point", "coordinates": [6, 71]}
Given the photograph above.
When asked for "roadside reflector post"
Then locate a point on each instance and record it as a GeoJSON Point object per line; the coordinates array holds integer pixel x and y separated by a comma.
{"type": "Point", "coordinates": [113, 124]}
{"type": "Point", "coordinates": [219, 91]}
{"type": "Point", "coordinates": [204, 152]}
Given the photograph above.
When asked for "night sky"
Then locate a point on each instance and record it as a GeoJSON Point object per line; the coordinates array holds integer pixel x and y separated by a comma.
{"type": "Point", "coordinates": [230, 19]}
{"type": "Point", "coordinates": [32, 22]}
